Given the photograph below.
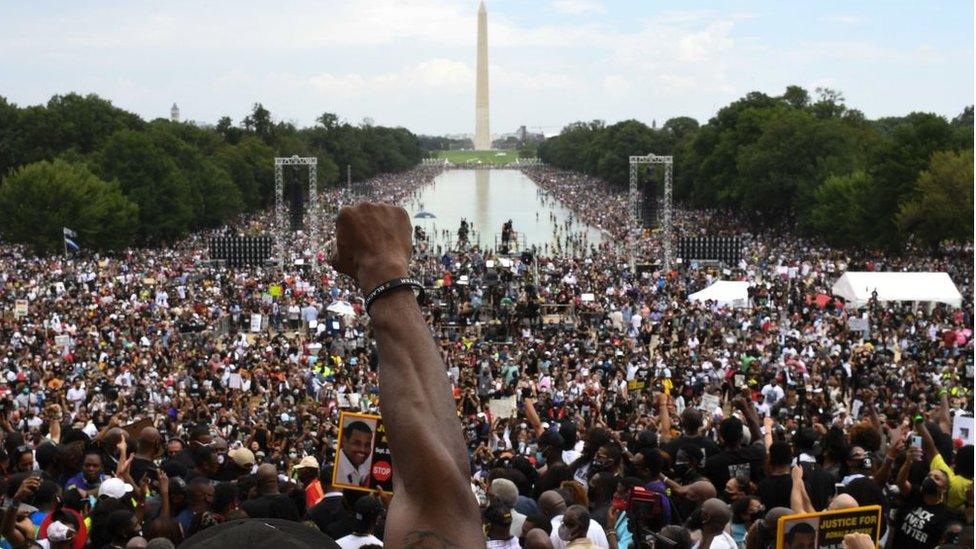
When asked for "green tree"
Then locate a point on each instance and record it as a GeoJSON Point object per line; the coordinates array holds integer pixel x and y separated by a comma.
{"type": "Point", "coordinates": [840, 214]}
{"type": "Point", "coordinates": [941, 207]}
{"type": "Point", "coordinates": [150, 179]}
{"type": "Point", "coordinates": [39, 199]}
{"type": "Point", "coordinates": [797, 97]}
{"type": "Point", "coordinates": [259, 122]}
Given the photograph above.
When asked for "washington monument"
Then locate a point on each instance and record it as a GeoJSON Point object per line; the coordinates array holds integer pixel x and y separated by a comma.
{"type": "Point", "coordinates": [482, 135]}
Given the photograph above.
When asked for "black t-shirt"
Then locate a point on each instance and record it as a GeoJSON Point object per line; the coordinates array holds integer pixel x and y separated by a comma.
{"type": "Point", "coordinates": [744, 461]}
{"type": "Point", "coordinates": [774, 490]}
{"type": "Point", "coordinates": [332, 516]}
{"type": "Point", "coordinates": [699, 442]}
{"type": "Point", "coordinates": [141, 467]}
{"type": "Point", "coordinates": [819, 484]}
{"type": "Point", "coordinates": [917, 525]}
{"type": "Point", "coordinates": [271, 506]}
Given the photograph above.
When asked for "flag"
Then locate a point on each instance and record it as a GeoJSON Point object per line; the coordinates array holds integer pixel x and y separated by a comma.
{"type": "Point", "coordinates": [71, 244]}
{"type": "Point", "coordinates": [68, 233]}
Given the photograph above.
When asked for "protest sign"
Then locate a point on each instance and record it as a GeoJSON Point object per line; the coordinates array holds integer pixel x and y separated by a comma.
{"type": "Point", "coordinates": [348, 400]}
{"type": "Point", "coordinates": [585, 298]}
{"type": "Point", "coordinates": [502, 408]}
{"type": "Point", "coordinates": [826, 530]}
{"type": "Point", "coordinates": [255, 322]}
{"type": "Point", "coordinates": [234, 381]}
{"type": "Point", "coordinates": [709, 403]}
{"type": "Point", "coordinates": [62, 341]}
{"type": "Point", "coordinates": [274, 290]}
{"type": "Point", "coordinates": [363, 459]}
{"type": "Point", "coordinates": [20, 308]}
{"type": "Point", "coordinates": [133, 429]}
{"type": "Point", "coordinates": [962, 428]}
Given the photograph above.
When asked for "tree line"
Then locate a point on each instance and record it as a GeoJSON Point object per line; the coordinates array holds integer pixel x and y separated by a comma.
{"type": "Point", "coordinates": [809, 164]}
{"type": "Point", "coordinates": [118, 180]}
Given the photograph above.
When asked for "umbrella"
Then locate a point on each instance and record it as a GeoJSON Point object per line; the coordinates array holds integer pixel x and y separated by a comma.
{"type": "Point", "coordinates": [341, 308]}
{"type": "Point", "coordinates": [425, 215]}
{"type": "Point", "coordinates": [260, 534]}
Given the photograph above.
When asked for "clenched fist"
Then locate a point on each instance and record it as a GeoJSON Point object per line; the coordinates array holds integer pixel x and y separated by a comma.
{"type": "Point", "coordinates": [373, 243]}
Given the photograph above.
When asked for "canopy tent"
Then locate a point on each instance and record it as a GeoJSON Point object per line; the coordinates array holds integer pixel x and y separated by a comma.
{"type": "Point", "coordinates": [724, 292]}
{"type": "Point", "coordinates": [856, 287]}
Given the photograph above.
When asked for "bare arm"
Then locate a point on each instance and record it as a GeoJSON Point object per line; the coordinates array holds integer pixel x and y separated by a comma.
{"type": "Point", "coordinates": [906, 467]}
{"type": "Point", "coordinates": [373, 244]}
{"type": "Point", "coordinates": [752, 418]}
{"type": "Point", "coordinates": [799, 499]}
{"type": "Point", "coordinates": [532, 416]}
{"type": "Point", "coordinates": [664, 429]}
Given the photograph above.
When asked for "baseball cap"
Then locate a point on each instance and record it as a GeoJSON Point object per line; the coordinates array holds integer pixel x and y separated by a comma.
{"type": "Point", "coordinates": [114, 488]}
{"type": "Point", "coordinates": [307, 462]}
{"type": "Point", "coordinates": [59, 531]}
{"type": "Point", "coordinates": [367, 509]}
{"type": "Point", "coordinates": [242, 457]}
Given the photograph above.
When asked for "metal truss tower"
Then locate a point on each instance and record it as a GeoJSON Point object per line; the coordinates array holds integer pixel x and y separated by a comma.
{"type": "Point", "coordinates": [634, 200]}
{"type": "Point", "coordinates": [312, 217]}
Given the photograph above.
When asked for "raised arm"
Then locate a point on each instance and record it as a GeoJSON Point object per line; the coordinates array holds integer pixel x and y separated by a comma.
{"type": "Point", "coordinates": [373, 245]}
{"type": "Point", "coordinates": [752, 418]}
{"type": "Point", "coordinates": [532, 416]}
{"type": "Point", "coordinates": [799, 499]}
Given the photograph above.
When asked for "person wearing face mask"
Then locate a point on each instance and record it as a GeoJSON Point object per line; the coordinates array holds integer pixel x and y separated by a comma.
{"type": "Point", "coordinates": [745, 512]}
{"type": "Point", "coordinates": [572, 531]}
{"type": "Point", "coordinates": [922, 519]}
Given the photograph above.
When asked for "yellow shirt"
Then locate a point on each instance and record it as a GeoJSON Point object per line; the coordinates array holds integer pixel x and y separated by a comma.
{"type": "Point", "coordinates": [956, 496]}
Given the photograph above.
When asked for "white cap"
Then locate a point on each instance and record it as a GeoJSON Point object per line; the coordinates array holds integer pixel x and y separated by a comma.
{"type": "Point", "coordinates": [114, 488]}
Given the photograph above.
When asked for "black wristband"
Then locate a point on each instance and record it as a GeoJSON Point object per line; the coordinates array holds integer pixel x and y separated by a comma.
{"type": "Point", "coordinates": [391, 285]}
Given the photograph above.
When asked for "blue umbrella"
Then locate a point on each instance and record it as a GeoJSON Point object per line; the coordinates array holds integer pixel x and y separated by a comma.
{"type": "Point", "coordinates": [425, 215]}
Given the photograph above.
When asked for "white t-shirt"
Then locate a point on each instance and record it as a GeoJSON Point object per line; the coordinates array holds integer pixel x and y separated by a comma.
{"type": "Point", "coordinates": [352, 541]}
{"type": "Point", "coordinates": [594, 533]}
{"type": "Point", "coordinates": [721, 541]}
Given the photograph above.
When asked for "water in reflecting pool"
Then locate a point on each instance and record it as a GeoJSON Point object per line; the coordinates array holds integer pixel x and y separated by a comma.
{"type": "Point", "coordinates": [487, 199]}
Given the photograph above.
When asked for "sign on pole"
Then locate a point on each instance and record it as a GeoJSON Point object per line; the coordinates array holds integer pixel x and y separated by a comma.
{"type": "Point", "coordinates": [363, 459]}
{"type": "Point", "coordinates": [826, 530]}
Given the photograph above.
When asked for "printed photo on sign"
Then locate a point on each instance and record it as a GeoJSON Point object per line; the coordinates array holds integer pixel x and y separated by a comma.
{"type": "Point", "coordinates": [362, 454]}
{"type": "Point", "coordinates": [826, 529]}
{"type": "Point", "coordinates": [801, 534]}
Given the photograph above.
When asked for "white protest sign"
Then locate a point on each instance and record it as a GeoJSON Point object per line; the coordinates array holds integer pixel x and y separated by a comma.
{"type": "Point", "coordinates": [709, 403]}
{"type": "Point", "coordinates": [255, 322]}
{"type": "Point", "coordinates": [586, 297]}
{"type": "Point", "coordinates": [502, 408]}
{"type": "Point", "coordinates": [856, 408]}
{"type": "Point", "coordinates": [234, 381]}
{"type": "Point", "coordinates": [962, 427]}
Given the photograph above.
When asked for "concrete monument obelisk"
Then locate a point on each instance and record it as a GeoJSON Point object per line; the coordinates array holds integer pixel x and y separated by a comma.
{"type": "Point", "coordinates": [482, 135]}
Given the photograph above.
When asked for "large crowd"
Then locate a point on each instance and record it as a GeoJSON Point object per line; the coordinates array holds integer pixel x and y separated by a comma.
{"type": "Point", "coordinates": [153, 394]}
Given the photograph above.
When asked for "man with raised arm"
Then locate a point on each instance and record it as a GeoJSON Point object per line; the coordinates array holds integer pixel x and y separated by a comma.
{"type": "Point", "coordinates": [432, 505]}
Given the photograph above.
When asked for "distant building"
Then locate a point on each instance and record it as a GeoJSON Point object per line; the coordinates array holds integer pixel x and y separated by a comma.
{"type": "Point", "coordinates": [174, 113]}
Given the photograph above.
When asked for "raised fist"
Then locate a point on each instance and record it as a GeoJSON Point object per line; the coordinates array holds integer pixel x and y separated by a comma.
{"type": "Point", "coordinates": [373, 243]}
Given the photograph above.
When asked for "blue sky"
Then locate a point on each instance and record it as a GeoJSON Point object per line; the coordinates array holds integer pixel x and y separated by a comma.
{"type": "Point", "coordinates": [411, 62]}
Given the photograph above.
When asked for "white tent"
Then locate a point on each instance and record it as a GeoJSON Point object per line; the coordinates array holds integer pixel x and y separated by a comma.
{"type": "Point", "coordinates": [724, 292]}
{"type": "Point", "coordinates": [856, 287]}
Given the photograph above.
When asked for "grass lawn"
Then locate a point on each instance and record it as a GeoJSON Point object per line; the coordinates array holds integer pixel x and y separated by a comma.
{"type": "Point", "coordinates": [485, 157]}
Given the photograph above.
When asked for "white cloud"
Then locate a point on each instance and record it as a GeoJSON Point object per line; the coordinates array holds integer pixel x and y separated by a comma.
{"type": "Point", "coordinates": [578, 7]}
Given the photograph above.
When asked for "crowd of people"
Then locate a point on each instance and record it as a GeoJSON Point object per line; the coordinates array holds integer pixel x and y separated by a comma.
{"type": "Point", "coordinates": [149, 395]}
